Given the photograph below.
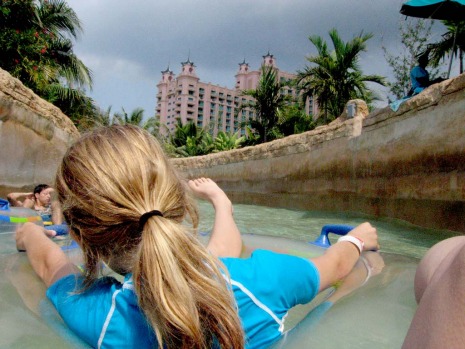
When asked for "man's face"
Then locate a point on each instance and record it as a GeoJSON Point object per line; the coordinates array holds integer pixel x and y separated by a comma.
{"type": "Point", "coordinates": [44, 196]}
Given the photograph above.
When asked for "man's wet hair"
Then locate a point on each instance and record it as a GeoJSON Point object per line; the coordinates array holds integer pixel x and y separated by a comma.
{"type": "Point", "coordinates": [38, 189]}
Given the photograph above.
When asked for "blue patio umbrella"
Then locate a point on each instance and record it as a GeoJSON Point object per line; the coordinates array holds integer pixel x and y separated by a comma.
{"type": "Point", "coordinates": [453, 10]}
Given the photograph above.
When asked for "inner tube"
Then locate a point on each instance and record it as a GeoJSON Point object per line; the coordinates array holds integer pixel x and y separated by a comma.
{"type": "Point", "coordinates": [306, 315]}
{"type": "Point", "coordinates": [11, 217]}
{"type": "Point", "coordinates": [377, 314]}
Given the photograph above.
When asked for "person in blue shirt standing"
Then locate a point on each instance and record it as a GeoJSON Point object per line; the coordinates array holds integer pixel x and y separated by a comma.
{"type": "Point", "coordinates": [127, 207]}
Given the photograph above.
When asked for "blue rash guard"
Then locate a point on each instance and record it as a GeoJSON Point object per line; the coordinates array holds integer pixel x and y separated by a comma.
{"type": "Point", "coordinates": [265, 287]}
{"type": "Point", "coordinates": [419, 76]}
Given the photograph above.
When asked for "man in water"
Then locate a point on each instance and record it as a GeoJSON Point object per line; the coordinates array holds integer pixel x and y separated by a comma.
{"type": "Point", "coordinates": [40, 200]}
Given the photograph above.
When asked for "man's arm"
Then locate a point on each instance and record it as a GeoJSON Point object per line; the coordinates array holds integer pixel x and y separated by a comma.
{"type": "Point", "coordinates": [57, 214]}
{"type": "Point", "coordinates": [21, 199]}
{"type": "Point", "coordinates": [225, 240]}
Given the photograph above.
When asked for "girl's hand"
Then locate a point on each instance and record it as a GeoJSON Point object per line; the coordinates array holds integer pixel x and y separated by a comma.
{"type": "Point", "coordinates": [368, 234]}
{"type": "Point", "coordinates": [24, 232]}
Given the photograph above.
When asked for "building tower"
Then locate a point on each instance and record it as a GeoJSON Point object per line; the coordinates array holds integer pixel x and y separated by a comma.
{"type": "Point", "coordinates": [215, 108]}
{"type": "Point", "coordinates": [269, 60]}
{"type": "Point", "coordinates": [241, 75]}
{"type": "Point", "coordinates": [186, 100]}
{"type": "Point", "coordinates": [167, 77]}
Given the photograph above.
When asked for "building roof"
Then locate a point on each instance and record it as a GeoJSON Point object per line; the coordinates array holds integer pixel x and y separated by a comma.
{"type": "Point", "coordinates": [244, 62]}
{"type": "Point", "coordinates": [268, 54]}
{"type": "Point", "coordinates": [188, 62]}
{"type": "Point", "coordinates": [167, 70]}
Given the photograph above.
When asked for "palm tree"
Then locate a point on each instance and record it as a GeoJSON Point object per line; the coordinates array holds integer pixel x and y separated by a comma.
{"type": "Point", "coordinates": [153, 125]}
{"type": "Point", "coordinates": [97, 118]}
{"type": "Point", "coordinates": [36, 46]}
{"type": "Point", "coordinates": [266, 103]}
{"type": "Point", "coordinates": [293, 120]}
{"type": "Point", "coordinates": [452, 43]}
{"type": "Point", "coordinates": [137, 118]}
{"type": "Point", "coordinates": [335, 76]}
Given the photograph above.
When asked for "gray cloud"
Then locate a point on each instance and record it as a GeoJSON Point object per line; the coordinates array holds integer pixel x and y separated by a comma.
{"type": "Point", "coordinates": [128, 43]}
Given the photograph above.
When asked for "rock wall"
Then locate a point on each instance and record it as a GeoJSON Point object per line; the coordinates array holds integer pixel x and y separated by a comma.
{"type": "Point", "coordinates": [34, 135]}
{"type": "Point", "coordinates": [408, 164]}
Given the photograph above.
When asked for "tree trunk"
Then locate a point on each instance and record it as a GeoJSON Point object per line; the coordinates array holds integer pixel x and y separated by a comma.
{"type": "Point", "coordinates": [461, 60]}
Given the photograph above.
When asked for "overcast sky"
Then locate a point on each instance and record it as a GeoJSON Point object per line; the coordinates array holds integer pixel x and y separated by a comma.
{"type": "Point", "coordinates": [127, 44]}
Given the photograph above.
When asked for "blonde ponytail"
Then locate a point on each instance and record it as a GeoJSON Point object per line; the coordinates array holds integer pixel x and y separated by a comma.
{"type": "Point", "coordinates": [180, 281]}
{"type": "Point", "coordinates": [106, 182]}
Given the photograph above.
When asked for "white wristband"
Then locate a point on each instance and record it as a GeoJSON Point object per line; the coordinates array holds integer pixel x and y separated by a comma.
{"type": "Point", "coordinates": [356, 241]}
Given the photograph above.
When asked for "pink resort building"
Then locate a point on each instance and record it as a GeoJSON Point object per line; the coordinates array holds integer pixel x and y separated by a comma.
{"type": "Point", "coordinates": [211, 106]}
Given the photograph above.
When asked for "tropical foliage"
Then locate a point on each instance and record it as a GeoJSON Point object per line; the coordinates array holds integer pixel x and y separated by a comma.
{"type": "Point", "coordinates": [227, 141]}
{"type": "Point", "coordinates": [335, 77]}
{"type": "Point", "coordinates": [36, 45]}
{"type": "Point", "coordinates": [192, 140]}
{"type": "Point", "coordinates": [414, 37]}
{"type": "Point", "coordinates": [105, 118]}
{"type": "Point", "coordinates": [37, 48]}
{"type": "Point", "coordinates": [267, 101]}
{"type": "Point", "coordinates": [294, 120]}
{"type": "Point", "coordinates": [452, 43]}
{"type": "Point", "coordinates": [136, 117]}
{"type": "Point", "coordinates": [189, 140]}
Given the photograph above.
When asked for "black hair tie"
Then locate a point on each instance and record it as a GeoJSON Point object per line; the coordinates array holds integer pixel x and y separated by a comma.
{"type": "Point", "coordinates": [145, 217]}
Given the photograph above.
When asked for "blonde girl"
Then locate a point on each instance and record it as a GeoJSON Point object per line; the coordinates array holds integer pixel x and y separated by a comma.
{"type": "Point", "coordinates": [127, 207]}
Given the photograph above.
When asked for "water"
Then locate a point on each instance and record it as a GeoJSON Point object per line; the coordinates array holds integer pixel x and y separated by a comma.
{"type": "Point", "coordinates": [395, 236]}
{"type": "Point", "coordinates": [376, 315]}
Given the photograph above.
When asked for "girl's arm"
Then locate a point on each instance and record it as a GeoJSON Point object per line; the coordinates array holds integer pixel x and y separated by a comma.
{"type": "Point", "coordinates": [225, 240]}
{"type": "Point", "coordinates": [47, 259]}
{"type": "Point", "coordinates": [340, 258]}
